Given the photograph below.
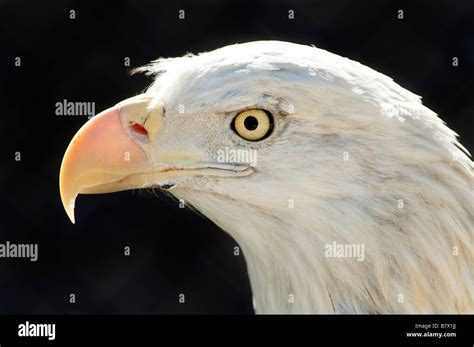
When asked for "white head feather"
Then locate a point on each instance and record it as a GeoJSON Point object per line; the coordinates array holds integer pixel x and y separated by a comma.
{"type": "Point", "coordinates": [350, 146]}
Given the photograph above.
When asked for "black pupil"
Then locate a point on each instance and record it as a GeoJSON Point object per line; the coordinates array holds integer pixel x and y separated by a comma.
{"type": "Point", "coordinates": [251, 123]}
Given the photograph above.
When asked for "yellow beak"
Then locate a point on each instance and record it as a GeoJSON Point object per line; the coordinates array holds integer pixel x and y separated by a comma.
{"type": "Point", "coordinates": [105, 156]}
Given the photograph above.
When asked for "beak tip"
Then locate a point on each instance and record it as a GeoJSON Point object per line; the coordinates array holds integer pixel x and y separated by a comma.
{"type": "Point", "coordinates": [71, 217]}
{"type": "Point", "coordinates": [69, 208]}
{"type": "Point", "coordinates": [70, 213]}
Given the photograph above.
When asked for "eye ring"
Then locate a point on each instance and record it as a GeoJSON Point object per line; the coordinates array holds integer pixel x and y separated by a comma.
{"type": "Point", "coordinates": [253, 125]}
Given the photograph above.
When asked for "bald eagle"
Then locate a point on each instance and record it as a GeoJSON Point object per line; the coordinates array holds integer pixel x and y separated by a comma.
{"type": "Point", "coordinates": [346, 193]}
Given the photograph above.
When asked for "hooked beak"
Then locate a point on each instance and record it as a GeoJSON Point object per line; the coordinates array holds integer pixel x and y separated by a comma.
{"type": "Point", "coordinates": [108, 153]}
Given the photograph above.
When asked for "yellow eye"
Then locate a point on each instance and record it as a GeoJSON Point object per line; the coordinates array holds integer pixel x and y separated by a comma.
{"type": "Point", "coordinates": [253, 125]}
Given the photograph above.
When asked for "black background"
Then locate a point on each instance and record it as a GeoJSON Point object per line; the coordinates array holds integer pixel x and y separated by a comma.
{"type": "Point", "coordinates": [173, 250]}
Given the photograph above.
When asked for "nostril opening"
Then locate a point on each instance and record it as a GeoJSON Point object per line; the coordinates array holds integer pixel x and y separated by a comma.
{"type": "Point", "coordinates": [138, 129]}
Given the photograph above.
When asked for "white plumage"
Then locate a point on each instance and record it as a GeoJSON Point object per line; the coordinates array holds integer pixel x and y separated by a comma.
{"type": "Point", "coordinates": [354, 159]}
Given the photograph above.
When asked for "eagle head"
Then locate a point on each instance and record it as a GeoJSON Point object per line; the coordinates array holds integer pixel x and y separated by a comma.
{"type": "Point", "coordinates": [307, 159]}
